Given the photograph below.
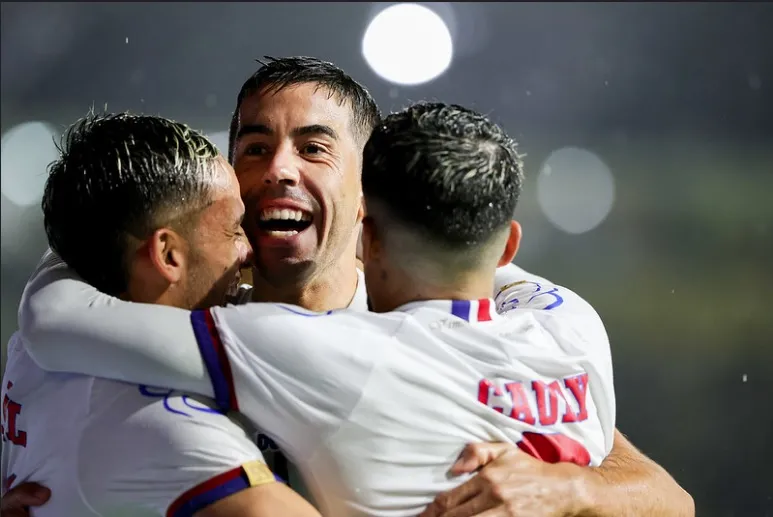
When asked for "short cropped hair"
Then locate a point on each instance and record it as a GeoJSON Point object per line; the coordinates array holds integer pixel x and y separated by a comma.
{"type": "Point", "coordinates": [120, 176]}
{"type": "Point", "coordinates": [275, 74]}
{"type": "Point", "coordinates": [443, 171]}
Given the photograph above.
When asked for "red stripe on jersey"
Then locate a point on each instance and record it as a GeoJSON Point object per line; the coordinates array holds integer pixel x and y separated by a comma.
{"type": "Point", "coordinates": [484, 309]}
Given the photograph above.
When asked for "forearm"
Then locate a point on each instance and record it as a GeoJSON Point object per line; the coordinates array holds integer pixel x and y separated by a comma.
{"type": "Point", "coordinates": [628, 484]}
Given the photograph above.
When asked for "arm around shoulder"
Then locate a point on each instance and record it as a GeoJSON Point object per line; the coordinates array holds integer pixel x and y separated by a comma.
{"type": "Point", "coordinates": [628, 483]}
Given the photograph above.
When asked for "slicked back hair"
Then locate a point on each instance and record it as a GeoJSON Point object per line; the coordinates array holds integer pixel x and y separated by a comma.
{"type": "Point", "coordinates": [444, 172]}
{"type": "Point", "coordinates": [275, 74]}
{"type": "Point", "coordinates": [120, 176]}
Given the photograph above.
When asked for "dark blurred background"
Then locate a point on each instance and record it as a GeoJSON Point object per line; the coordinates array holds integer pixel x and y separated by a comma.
{"type": "Point", "coordinates": [648, 130]}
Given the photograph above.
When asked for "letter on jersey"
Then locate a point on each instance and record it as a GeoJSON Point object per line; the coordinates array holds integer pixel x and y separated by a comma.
{"type": "Point", "coordinates": [548, 401]}
{"type": "Point", "coordinates": [11, 411]}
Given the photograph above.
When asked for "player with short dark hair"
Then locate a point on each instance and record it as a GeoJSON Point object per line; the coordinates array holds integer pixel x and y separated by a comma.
{"type": "Point", "coordinates": [463, 206]}
{"type": "Point", "coordinates": [277, 74]}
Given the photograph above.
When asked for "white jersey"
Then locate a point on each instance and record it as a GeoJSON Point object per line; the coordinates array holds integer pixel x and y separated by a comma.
{"type": "Point", "coordinates": [373, 408]}
{"type": "Point", "coordinates": [513, 287]}
{"type": "Point", "coordinates": [277, 462]}
{"type": "Point", "coordinates": [108, 448]}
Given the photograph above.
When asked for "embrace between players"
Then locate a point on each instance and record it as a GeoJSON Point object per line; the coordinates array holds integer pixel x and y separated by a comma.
{"type": "Point", "coordinates": [371, 394]}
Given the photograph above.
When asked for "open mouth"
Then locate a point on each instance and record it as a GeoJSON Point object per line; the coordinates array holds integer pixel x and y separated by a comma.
{"type": "Point", "coordinates": [283, 222]}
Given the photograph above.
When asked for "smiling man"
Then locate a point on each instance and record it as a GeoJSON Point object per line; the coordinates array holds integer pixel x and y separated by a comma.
{"type": "Point", "coordinates": [296, 145]}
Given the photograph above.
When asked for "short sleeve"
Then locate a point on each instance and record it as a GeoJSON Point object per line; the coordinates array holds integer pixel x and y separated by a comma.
{"type": "Point", "coordinates": [156, 450]}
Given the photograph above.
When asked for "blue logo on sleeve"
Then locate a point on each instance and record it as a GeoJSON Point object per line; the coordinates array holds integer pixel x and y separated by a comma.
{"type": "Point", "coordinates": [185, 401]}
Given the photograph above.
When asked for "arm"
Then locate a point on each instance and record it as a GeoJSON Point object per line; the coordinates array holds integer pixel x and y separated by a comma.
{"type": "Point", "coordinates": [263, 501]}
{"type": "Point", "coordinates": [513, 483]}
{"type": "Point", "coordinates": [629, 483]}
{"type": "Point", "coordinates": [69, 326]}
{"type": "Point", "coordinates": [246, 354]}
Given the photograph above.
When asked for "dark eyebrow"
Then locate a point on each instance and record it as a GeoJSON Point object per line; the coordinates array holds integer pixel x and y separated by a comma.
{"type": "Point", "coordinates": [315, 129]}
{"type": "Point", "coordinates": [259, 129]}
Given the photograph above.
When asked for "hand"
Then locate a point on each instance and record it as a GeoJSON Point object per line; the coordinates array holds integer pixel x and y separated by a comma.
{"type": "Point", "coordinates": [510, 484]}
{"type": "Point", "coordinates": [16, 502]}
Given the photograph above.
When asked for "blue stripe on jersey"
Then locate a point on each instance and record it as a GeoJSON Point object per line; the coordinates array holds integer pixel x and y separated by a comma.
{"type": "Point", "coordinates": [209, 492]}
{"type": "Point", "coordinates": [461, 309]}
{"type": "Point", "coordinates": [304, 312]}
{"type": "Point", "coordinates": [208, 348]}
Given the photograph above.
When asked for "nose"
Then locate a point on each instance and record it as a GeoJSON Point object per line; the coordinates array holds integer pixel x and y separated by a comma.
{"type": "Point", "coordinates": [282, 170]}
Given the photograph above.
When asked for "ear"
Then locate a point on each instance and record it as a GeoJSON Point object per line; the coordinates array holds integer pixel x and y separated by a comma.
{"type": "Point", "coordinates": [168, 253]}
{"type": "Point", "coordinates": [512, 244]}
{"type": "Point", "coordinates": [371, 245]}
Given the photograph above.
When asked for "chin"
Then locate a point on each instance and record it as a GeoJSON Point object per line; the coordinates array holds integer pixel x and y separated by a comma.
{"type": "Point", "coordinates": [288, 267]}
{"type": "Point", "coordinates": [270, 258]}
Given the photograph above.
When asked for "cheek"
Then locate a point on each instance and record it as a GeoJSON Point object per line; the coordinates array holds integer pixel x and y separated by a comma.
{"type": "Point", "coordinates": [248, 176]}
{"type": "Point", "coordinates": [336, 186]}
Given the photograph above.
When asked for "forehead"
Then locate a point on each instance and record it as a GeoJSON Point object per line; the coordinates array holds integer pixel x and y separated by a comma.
{"type": "Point", "coordinates": [226, 202]}
{"type": "Point", "coordinates": [296, 106]}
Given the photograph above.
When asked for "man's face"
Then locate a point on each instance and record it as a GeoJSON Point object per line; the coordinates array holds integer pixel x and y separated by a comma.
{"type": "Point", "coordinates": [218, 246]}
{"type": "Point", "coordinates": [298, 164]}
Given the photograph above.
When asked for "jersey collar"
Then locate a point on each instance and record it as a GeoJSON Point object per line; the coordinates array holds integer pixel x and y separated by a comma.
{"type": "Point", "coordinates": [473, 311]}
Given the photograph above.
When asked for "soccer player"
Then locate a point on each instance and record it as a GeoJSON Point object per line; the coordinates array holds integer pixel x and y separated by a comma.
{"type": "Point", "coordinates": [374, 407]}
{"type": "Point", "coordinates": [167, 230]}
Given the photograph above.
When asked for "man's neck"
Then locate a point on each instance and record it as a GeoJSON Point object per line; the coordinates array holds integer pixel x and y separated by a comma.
{"type": "Point", "coordinates": [329, 289]}
{"type": "Point", "coordinates": [404, 289]}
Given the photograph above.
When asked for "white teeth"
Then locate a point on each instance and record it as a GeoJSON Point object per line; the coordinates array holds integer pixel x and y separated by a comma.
{"type": "Point", "coordinates": [283, 233]}
{"type": "Point", "coordinates": [284, 215]}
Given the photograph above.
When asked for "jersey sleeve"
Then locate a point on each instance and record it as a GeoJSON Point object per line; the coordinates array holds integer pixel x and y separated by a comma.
{"type": "Point", "coordinates": [69, 326]}
{"type": "Point", "coordinates": [150, 449]}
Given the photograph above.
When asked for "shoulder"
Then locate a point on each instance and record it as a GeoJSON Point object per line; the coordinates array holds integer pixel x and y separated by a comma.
{"type": "Point", "coordinates": [154, 417]}
{"type": "Point", "coordinates": [169, 443]}
{"type": "Point", "coordinates": [555, 308]}
{"type": "Point", "coordinates": [519, 289]}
